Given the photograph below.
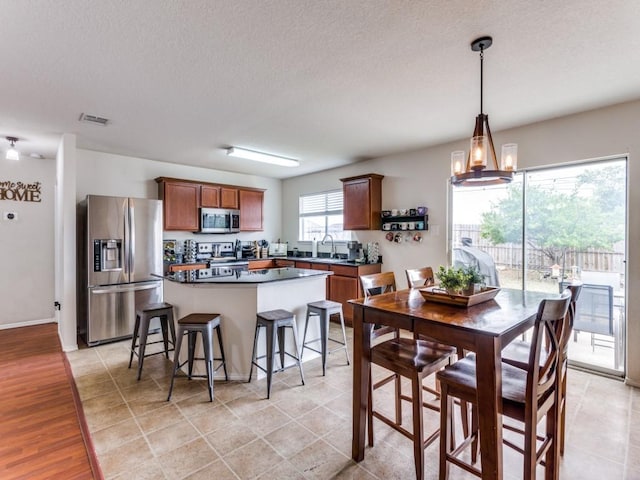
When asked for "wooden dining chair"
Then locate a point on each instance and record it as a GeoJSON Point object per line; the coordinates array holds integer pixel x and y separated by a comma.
{"type": "Point", "coordinates": [412, 358]}
{"type": "Point", "coordinates": [528, 396]}
{"type": "Point", "coordinates": [419, 277]}
{"type": "Point", "coordinates": [376, 284]}
{"type": "Point", "coordinates": [517, 352]}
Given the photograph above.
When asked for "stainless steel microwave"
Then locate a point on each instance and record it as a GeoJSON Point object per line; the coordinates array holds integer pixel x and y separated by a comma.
{"type": "Point", "coordinates": [219, 220]}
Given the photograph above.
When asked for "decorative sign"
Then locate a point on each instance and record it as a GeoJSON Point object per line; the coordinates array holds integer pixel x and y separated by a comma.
{"type": "Point", "coordinates": [20, 192]}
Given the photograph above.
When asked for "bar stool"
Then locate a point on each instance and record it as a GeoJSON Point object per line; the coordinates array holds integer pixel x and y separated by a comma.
{"type": "Point", "coordinates": [164, 311]}
{"type": "Point", "coordinates": [275, 321]}
{"type": "Point", "coordinates": [324, 309]}
{"type": "Point", "coordinates": [204, 323]}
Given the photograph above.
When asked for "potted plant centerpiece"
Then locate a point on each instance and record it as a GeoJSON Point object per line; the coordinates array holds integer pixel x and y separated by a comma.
{"type": "Point", "coordinates": [459, 280]}
{"type": "Point", "coordinates": [474, 279]}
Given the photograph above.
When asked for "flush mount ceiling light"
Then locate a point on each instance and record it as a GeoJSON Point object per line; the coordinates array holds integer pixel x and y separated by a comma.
{"type": "Point", "coordinates": [474, 171]}
{"type": "Point", "coordinates": [262, 157]}
{"type": "Point", "coordinates": [12, 153]}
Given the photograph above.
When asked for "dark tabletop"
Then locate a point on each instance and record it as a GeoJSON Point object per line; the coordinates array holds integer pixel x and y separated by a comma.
{"type": "Point", "coordinates": [242, 276]}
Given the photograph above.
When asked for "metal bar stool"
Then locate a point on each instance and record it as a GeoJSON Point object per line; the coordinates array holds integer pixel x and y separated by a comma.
{"type": "Point", "coordinates": [164, 311]}
{"type": "Point", "coordinates": [275, 321]}
{"type": "Point", "coordinates": [204, 323]}
{"type": "Point", "coordinates": [324, 309]}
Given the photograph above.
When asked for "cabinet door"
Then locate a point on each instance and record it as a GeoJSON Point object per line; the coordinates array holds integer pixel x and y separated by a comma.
{"type": "Point", "coordinates": [342, 289]}
{"type": "Point", "coordinates": [210, 196]}
{"type": "Point", "coordinates": [180, 205]}
{"type": "Point", "coordinates": [362, 202]}
{"type": "Point", "coordinates": [251, 210]}
{"type": "Point", "coordinates": [228, 197]}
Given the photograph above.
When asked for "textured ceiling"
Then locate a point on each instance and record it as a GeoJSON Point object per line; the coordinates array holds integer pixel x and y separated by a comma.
{"type": "Point", "coordinates": [328, 82]}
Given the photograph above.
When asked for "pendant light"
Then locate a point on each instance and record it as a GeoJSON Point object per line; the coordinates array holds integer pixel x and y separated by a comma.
{"type": "Point", "coordinates": [12, 153]}
{"type": "Point", "coordinates": [482, 153]}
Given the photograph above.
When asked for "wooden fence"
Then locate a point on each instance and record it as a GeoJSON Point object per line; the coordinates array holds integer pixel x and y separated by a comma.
{"type": "Point", "coordinates": [510, 255]}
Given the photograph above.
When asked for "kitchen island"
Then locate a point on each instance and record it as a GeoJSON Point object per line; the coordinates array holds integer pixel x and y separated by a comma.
{"type": "Point", "coordinates": [237, 296]}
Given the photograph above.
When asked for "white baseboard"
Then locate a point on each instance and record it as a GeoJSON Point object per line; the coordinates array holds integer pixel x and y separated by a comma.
{"type": "Point", "coordinates": [28, 323]}
{"type": "Point", "coordinates": [631, 383]}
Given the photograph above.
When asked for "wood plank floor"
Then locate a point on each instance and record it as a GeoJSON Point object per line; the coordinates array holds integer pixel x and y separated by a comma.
{"type": "Point", "coordinates": [41, 433]}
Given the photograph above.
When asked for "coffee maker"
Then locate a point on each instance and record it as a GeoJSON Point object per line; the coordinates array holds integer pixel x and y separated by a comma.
{"type": "Point", "coordinates": [354, 250]}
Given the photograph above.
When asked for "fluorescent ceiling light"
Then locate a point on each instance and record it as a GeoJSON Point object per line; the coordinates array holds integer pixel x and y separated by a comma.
{"type": "Point", "coordinates": [262, 157]}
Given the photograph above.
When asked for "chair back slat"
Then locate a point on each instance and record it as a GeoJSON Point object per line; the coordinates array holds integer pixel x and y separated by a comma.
{"type": "Point", "coordinates": [563, 337]}
{"type": "Point", "coordinates": [552, 318]}
{"type": "Point", "coordinates": [420, 277]}
{"type": "Point", "coordinates": [378, 283]}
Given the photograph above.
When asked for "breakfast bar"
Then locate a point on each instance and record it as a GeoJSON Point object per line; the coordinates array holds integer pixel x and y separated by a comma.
{"type": "Point", "coordinates": [238, 296]}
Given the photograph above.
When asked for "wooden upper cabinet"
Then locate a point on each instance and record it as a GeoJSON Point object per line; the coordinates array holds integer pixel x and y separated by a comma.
{"type": "Point", "coordinates": [362, 202]}
{"type": "Point", "coordinates": [229, 198]}
{"type": "Point", "coordinates": [209, 196]}
{"type": "Point", "coordinates": [182, 199]}
{"type": "Point", "coordinates": [251, 215]}
{"type": "Point", "coordinates": [180, 204]}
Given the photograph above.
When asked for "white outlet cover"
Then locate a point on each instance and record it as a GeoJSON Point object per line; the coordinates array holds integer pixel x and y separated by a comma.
{"type": "Point", "coordinates": [10, 216]}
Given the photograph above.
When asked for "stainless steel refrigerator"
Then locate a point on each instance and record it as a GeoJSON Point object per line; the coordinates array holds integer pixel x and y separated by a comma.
{"type": "Point", "coordinates": [123, 250]}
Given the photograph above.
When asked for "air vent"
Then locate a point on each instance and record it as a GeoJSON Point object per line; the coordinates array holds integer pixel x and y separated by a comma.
{"type": "Point", "coordinates": [85, 117]}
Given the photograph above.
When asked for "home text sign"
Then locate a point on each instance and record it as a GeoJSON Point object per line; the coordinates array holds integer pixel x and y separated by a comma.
{"type": "Point", "coordinates": [20, 191]}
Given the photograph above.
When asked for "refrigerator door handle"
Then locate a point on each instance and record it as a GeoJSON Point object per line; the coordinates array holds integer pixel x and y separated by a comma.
{"type": "Point", "coordinates": [125, 289]}
{"type": "Point", "coordinates": [132, 238]}
{"type": "Point", "coordinates": [127, 242]}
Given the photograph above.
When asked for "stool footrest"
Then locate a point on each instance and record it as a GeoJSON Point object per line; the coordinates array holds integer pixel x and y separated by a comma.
{"type": "Point", "coordinates": [135, 352]}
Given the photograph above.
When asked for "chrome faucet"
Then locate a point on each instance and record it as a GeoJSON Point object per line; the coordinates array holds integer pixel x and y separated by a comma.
{"type": "Point", "coordinates": [333, 246]}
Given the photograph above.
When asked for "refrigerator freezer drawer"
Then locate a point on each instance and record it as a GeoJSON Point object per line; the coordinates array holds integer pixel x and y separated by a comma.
{"type": "Point", "coordinates": [112, 310]}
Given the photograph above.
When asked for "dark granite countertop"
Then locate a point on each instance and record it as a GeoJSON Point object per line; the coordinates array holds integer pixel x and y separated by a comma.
{"type": "Point", "coordinates": [241, 276]}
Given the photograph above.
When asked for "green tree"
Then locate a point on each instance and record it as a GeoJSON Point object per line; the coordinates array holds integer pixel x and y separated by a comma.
{"type": "Point", "coordinates": [585, 218]}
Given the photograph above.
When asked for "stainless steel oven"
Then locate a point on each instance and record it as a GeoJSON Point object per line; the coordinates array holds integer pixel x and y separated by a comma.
{"type": "Point", "coordinates": [219, 220]}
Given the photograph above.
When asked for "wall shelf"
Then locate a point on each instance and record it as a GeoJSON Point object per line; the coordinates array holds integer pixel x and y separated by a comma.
{"type": "Point", "coordinates": [420, 223]}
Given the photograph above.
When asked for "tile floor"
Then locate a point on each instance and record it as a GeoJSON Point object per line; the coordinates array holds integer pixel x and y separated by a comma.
{"type": "Point", "coordinates": [304, 432]}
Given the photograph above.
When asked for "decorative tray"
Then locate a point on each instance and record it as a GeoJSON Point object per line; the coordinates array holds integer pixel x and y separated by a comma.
{"type": "Point", "coordinates": [436, 294]}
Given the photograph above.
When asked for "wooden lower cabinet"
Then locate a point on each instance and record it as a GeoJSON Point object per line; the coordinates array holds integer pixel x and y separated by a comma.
{"type": "Point", "coordinates": [344, 285]}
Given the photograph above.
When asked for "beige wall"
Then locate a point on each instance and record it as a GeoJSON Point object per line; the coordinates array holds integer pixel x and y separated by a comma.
{"type": "Point", "coordinates": [26, 246]}
{"type": "Point", "coordinates": [420, 178]}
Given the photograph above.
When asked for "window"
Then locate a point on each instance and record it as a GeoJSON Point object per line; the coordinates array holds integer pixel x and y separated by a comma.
{"type": "Point", "coordinates": [321, 214]}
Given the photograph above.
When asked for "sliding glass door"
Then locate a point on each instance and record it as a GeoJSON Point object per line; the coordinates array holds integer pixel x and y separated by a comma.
{"type": "Point", "coordinates": [552, 226]}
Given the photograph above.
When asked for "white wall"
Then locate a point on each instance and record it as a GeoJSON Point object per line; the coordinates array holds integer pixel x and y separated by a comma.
{"type": "Point", "coordinates": [65, 245]}
{"type": "Point", "coordinates": [420, 178]}
{"type": "Point", "coordinates": [26, 245]}
{"type": "Point", "coordinates": [106, 174]}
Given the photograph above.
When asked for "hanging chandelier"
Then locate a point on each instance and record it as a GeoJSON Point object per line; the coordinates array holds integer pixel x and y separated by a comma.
{"type": "Point", "coordinates": [473, 170]}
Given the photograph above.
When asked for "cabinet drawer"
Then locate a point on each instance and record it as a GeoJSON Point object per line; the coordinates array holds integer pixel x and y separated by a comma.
{"type": "Point", "coordinates": [319, 266]}
{"type": "Point", "coordinates": [284, 263]}
{"type": "Point", "coordinates": [303, 265]}
{"type": "Point", "coordinates": [344, 270]}
{"type": "Point", "coordinates": [260, 264]}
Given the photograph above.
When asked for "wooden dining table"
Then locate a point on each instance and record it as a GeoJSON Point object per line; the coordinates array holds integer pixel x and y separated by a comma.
{"type": "Point", "coordinates": [484, 328]}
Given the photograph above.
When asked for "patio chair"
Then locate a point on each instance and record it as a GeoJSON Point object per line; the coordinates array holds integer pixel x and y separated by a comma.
{"type": "Point", "coordinates": [594, 315]}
